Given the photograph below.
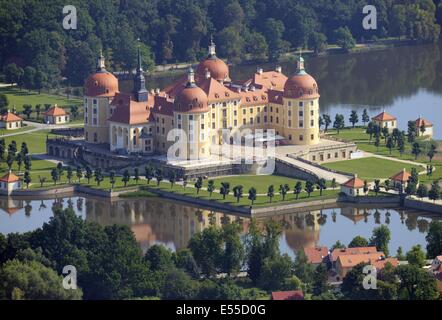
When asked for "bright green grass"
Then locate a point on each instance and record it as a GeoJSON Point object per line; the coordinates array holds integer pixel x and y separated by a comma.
{"type": "Point", "coordinates": [36, 165]}
{"type": "Point", "coordinates": [22, 129]}
{"type": "Point", "coordinates": [36, 141]}
{"type": "Point", "coordinates": [260, 201]}
{"type": "Point", "coordinates": [18, 98]}
{"type": "Point", "coordinates": [260, 182]}
{"type": "Point", "coordinates": [370, 168]}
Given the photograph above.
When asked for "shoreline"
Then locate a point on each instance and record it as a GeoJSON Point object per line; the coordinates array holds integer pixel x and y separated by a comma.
{"type": "Point", "coordinates": [267, 210]}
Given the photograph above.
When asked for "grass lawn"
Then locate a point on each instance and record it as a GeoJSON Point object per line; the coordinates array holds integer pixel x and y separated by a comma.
{"type": "Point", "coordinates": [22, 129]}
{"type": "Point", "coordinates": [18, 98]}
{"type": "Point", "coordinates": [36, 141]}
{"type": "Point", "coordinates": [260, 182]}
{"type": "Point", "coordinates": [362, 140]}
{"type": "Point", "coordinates": [370, 168]}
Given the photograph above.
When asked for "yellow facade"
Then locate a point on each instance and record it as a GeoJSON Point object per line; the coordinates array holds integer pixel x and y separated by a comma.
{"type": "Point", "coordinates": [97, 111]}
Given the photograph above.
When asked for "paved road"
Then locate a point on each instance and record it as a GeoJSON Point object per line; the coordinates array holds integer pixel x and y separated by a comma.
{"type": "Point", "coordinates": [40, 126]}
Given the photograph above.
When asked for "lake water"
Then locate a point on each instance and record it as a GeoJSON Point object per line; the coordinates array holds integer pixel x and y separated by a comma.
{"type": "Point", "coordinates": [156, 221]}
{"type": "Point", "coordinates": [405, 81]}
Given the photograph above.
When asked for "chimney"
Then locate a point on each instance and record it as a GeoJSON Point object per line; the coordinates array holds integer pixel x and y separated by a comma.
{"type": "Point", "coordinates": [259, 70]}
{"type": "Point", "coordinates": [278, 69]}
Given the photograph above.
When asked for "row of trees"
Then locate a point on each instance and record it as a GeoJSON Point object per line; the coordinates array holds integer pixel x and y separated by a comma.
{"type": "Point", "coordinates": [174, 31]}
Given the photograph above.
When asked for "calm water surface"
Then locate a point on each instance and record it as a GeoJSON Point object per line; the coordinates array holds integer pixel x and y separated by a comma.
{"type": "Point", "coordinates": [405, 81]}
{"type": "Point", "coordinates": [156, 221]}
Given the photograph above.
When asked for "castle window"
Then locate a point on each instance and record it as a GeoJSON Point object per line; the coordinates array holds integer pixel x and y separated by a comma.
{"type": "Point", "coordinates": [311, 103]}
{"type": "Point", "coordinates": [213, 115]}
{"type": "Point", "coordinates": [213, 106]}
{"type": "Point", "coordinates": [289, 103]}
{"type": "Point", "coordinates": [202, 126]}
{"type": "Point", "coordinates": [271, 109]}
{"type": "Point", "coordinates": [243, 111]}
{"type": "Point", "coordinates": [224, 104]}
{"type": "Point", "coordinates": [234, 113]}
{"type": "Point", "coordinates": [235, 103]}
{"type": "Point", "coordinates": [224, 113]}
{"type": "Point", "coordinates": [235, 122]}
{"type": "Point", "coordinates": [277, 119]}
{"type": "Point", "coordinates": [312, 123]}
{"type": "Point", "coordinates": [301, 137]}
{"type": "Point", "coordinates": [179, 125]}
{"type": "Point", "coordinates": [251, 110]}
{"type": "Point", "coordinates": [271, 119]}
{"type": "Point", "coordinates": [265, 109]}
{"type": "Point", "coordinates": [312, 137]}
{"type": "Point", "coordinates": [312, 112]}
{"type": "Point", "coordinates": [213, 125]}
{"type": "Point", "coordinates": [301, 124]}
{"type": "Point", "coordinates": [94, 101]}
{"type": "Point", "coordinates": [290, 137]}
{"type": "Point", "coordinates": [95, 137]}
{"type": "Point", "coordinates": [277, 110]}
{"type": "Point", "coordinates": [190, 116]}
{"type": "Point", "coordinates": [301, 103]}
{"type": "Point", "coordinates": [289, 113]}
{"type": "Point", "coordinates": [301, 113]}
{"type": "Point", "coordinates": [259, 109]}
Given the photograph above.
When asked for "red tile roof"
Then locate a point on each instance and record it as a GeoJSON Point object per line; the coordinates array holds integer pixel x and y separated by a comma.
{"type": "Point", "coordinates": [384, 116]}
{"type": "Point", "coordinates": [129, 111]}
{"type": "Point", "coordinates": [269, 79]}
{"type": "Point", "coordinates": [421, 121]}
{"type": "Point", "coordinates": [55, 111]}
{"type": "Point", "coordinates": [351, 260]}
{"type": "Point", "coordinates": [10, 117]}
{"type": "Point", "coordinates": [438, 276]}
{"type": "Point", "coordinates": [354, 183]}
{"type": "Point", "coordinates": [358, 250]}
{"type": "Point", "coordinates": [316, 255]}
{"type": "Point", "coordinates": [288, 295]}
{"type": "Point", "coordinates": [216, 91]}
{"type": "Point", "coordinates": [402, 176]}
{"type": "Point", "coordinates": [9, 178]}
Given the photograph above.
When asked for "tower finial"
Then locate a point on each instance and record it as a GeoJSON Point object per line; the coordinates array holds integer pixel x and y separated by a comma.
{"type": "Point", "coordinates": [212, 46]}
{"type": "Point", "coordinates": [140, 91]}
{"type": "Point", "coordinates": [101, 65]}
{"type": "Point", "coordinates": [300, 64]}
{"type": "Point", "coordinates": [190, 77]}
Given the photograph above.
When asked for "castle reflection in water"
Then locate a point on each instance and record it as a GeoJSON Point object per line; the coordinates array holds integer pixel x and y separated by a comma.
{"type": "Point", "coordinates": [156, 220]}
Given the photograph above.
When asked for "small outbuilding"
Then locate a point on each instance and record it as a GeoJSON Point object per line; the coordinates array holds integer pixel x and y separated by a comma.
{"type": "Point", "coordinates": [385, 120]}
{"type": "Point", "coordinates": [288, 295]}
{"type": "Point", "coordinates": [424, 127]}
{"type": "Point", "coordinates": [56, 115]}
{"type": "Point", "coordinates": [10, 121]}
{"type": "Point", "coordinates": [353, 187]}
{"type": "Point", "coordinates": [9, 183]}
{"type": "Point", "coordinates": [400, 179]}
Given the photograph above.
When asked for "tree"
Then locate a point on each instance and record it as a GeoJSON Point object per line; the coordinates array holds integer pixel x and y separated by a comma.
{"type": "Point", "coordinates": [416, 150]}
{"type": "Point", "coordinates": [29, 77]}
{"type": "Point", "coordinates": [390, 144]}
{"type": "Point", "coordinates": [352, 284]}
{"type": "Point", "coordinates": [434, 193]}
{"type": "Point", "coordinates": [318, 42]}
{"type": "Point", "coordinates": [31, 280]}
{"type": "Point", "coordinates": [327, 121]}
{"type": "Point", "coordinates": [198, 184]}
{"type": "Point", "coordinates": [273, 32]}
{"type": "Point", "coordinates": [380, 238]}
{"type": "Point", "coordinates": [112, 180]}
{"type": "Point", "coordinates": [411, 131]}
{"type": "Point", "coordinates": [365, 117]}
{"type": "Point", "coordinates": [252, 195]}
{"type": "Point", "coordinates": [28, 163]}
{"type": "Point", "coordinates": [225, 189]}
{"type": "Point", "coordinates": [98, 176]}
{"type": "Point", "coordinates": [344, 39]}
{"type": "Point", "coordinates": [210, 187]}
{"type": "Point", "coordinates": [432, 152]}
{"type": "Point", "coordinates": [271, 192]}
{"type": "Point", "coordinates": [237, 192]}
{"type": "Point", "coordinates": [233, 255]}
{"type": "Point", "coordinates": [320, 278]}
{"type": "Point", "coordinates": [159, 176]}
{"type": "Point", "coordinates": [185, 180]}
{"type": "Point", "coordinates": [339, 123]}
{"type": "Point", "coordinates": [334, 183]}
{"type": "Point", "coordinates": [302, 268]}
{"type": "Point", "coordinates": [309, 187]}
{"type": "Point", "coordinates": [178, 286]}
{"type": "Point", "coordinates": [4, 102]}
{"type": "Point", "coordinates": [400, 255]}
{"type": "Point", "coordinates": [416, 256]}
{"type": "Point", "coordinates": [377, 186]}
{"type": "Point", "coordinates": [370, 129]}
{"type": "Point", "coordinates": [79, 173]}
{"type": "Point", "coordinates": [19, 159]}
{"type": "Point", "coordinates": [321, 185]}
{"type": "Point", "coordinates": [148, 173]}
{"type": "Point", "coordinates": [422, 191]}
{"type": "Point", "coordinates": [275, 272]}
{"type": "Point", "coordinates": [40, 81]}
{"type": "Point", "coordinates": [207, 249]}
{"type": "Point", "coordinates": [185, 260]}
{"type": "Point", "coordinates": [136, 175]}
{"type": "Point", "coordinates": [417, 283]}
{"type": "Point", "coordinates": [297, 189]}
{"type": "Point", "coordinates": [283, 189]}
{"type": "Point", "coordinates": [11, 73]}
{"type": "Point", "coordinates": [434, 239]}
{"type": "Point", "coordinates": [126, 177]}
{"type": "Point", "coordinates": [27, 110]}
{"type": "Point", "coordinates": [88, 174]}
{"type": "Point", "coordinates": [27, 179]}
{"type": "Point", "coordinates": [69, 174]}
{"type": "Point", "coordinates": [159, 258]}
{"type": "Point", "coordinates": [385, 133]}
{"type": "Point", "coordinates": [54, 175]}
{"type": "Point", "coordinates": [42, 180]}
{"type": "Point", "coordinates": [358, 241]}
{"type": "Point", "coordinates": [256, 45]}
{"type": "Point", "coordinates": [377, 142]}
{"type": "Point", "coordinates": [10, 160]}
{"type": "Point", "coordinates": [337, 245]}
{"type": "Point", "coordinates": [231, 43]}
{"type": "Point", "coordinates": [354, 118]}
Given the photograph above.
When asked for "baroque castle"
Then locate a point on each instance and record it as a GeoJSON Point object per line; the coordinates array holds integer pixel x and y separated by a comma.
{"type": "Point", "coordinates": [202, 104]}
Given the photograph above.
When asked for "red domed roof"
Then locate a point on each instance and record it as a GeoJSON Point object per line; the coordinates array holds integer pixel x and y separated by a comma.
{"type": "Point", "coordinates": [101, 84]}
{"type": "Point", "coordinates": [192, 99]}
{"type": "Point", "coordinates": [301, 86]}
{"type": "Point", "coordinates": [218, 69]}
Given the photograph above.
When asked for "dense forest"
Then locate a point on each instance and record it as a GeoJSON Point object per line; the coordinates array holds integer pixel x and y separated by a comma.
{"type": "Point", "coordinates": [36, 51]}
